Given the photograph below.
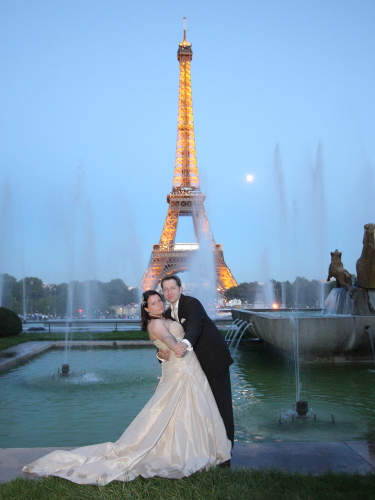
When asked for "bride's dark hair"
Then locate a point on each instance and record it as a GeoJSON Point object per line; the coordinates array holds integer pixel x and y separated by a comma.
{"type": "Point", "coordinates": [145, 317]}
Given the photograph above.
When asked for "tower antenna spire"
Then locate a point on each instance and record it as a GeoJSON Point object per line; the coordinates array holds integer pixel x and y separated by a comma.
{"type": "Point", "coordinates": [184, 28]}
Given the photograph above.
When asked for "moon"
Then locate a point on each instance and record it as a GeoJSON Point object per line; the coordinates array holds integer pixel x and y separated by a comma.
{"type": "Point", "coordinates": [249, 178]}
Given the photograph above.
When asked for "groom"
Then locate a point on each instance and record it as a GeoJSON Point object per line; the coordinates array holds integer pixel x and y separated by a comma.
{"type": "Point", "coordinates": [202, 335]}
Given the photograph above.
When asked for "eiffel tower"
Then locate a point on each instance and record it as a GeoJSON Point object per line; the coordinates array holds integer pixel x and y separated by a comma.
{"type": "Point", "coordinates": [185, 199]}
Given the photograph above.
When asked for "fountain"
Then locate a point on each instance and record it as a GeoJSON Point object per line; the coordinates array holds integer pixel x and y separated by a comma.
{"type": "Point", "coordinates": [235, 332]}
{"type": "Point", "coordinates": [302, 407]}
{"type": "Point", "coordinates": [340, 332]}
{"type": "Point", "coordinates": [65, 370]}
{"type": "Point", "coordinates": [322, 334]}
{"type": "Point", "coordinates": [110, 386]}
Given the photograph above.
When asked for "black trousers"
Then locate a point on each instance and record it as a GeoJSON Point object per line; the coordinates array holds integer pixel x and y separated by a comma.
{"type": "Point", "coordinates": [222, 391]}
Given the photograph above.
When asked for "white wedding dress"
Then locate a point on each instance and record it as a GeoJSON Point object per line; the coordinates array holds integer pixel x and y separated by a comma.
{"type": "Point", "coordinates": [178, 432]}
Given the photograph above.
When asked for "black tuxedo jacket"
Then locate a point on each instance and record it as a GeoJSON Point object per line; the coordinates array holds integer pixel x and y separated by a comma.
{"type": "Point", "coordinates": [208, 343]}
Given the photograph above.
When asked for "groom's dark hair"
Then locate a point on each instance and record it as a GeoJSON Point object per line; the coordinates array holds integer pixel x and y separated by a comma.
{"type": "Point", "coordinates": [173, 277]}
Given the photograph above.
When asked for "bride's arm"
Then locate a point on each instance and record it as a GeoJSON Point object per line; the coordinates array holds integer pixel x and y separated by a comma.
{"type": "Point", "coordinates": [161, 332]}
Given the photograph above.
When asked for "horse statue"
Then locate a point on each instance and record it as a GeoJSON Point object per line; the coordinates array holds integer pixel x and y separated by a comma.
{"type": "Point", "coordinates": [336, 270]}
{"type": "Point", "coordinates": [366, 262]}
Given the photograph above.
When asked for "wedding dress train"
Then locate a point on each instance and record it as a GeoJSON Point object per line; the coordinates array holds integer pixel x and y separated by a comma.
{"type": "Point", "coordinates": [178, 432]}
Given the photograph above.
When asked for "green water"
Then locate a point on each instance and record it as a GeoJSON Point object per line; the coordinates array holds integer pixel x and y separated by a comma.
{"type": "Point", "coordinates": [264, 397]}
{"type": "Point", "coordinates": [38, 410]}
{"type": "Point", "coordinates": [96, 406]}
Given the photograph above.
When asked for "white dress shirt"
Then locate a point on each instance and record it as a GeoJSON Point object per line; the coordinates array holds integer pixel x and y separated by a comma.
{"type": "Point", "coordinates": [174, 311]}
{"type": "Point", "coordinates": [174, 314]}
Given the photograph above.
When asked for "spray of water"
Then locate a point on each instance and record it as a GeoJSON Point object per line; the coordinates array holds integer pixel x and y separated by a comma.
{"type": "Point", "coordinates": [294, 319]}
{"type": "Point", "coordinates": [319, 222]}
{"type": "Point", "coordinates": [72, 237]}
{"type": "Point", "coordinates": [22, 258]}
{"type": "Point", "coordinates": [5, 234]}
{"type": "Point", "coordinates": [279, 184]}
{"type": "Point", "coordinates": [295, 221]}
{"type": "Point", "coordinates": [89, 263]}
{"type": "Point", "coordinates": [339, 302]}
{"type": "Point", "coordinates": [126, 248]}
{"type": "Point", "coordinates": [295, 330]}
{"type": "Point", "coordinates": [202, 272]}
{"type": "Point", "coordinates": [268, 291]}
{"type": "Point", "coordinates": [202, 277]}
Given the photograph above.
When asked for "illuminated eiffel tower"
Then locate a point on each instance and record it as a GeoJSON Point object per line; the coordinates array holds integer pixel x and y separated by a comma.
{"type": "Point", "coordinates": [185, 199]}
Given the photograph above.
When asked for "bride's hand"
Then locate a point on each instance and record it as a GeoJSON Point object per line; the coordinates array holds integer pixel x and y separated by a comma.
{"type": "Point", "coordinates": [164, 355]}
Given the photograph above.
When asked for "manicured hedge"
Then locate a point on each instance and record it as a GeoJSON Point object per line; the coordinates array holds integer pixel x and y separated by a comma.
{"type": "Point", "coordinates": [10, 323]}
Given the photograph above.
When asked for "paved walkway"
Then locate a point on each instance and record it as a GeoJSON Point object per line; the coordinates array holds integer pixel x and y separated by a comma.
{"type": "Point", "coordinates": [317, 458]}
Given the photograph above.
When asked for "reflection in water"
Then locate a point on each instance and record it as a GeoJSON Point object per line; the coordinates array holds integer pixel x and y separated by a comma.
{"type": "Point", "coordinates": [110, 386]}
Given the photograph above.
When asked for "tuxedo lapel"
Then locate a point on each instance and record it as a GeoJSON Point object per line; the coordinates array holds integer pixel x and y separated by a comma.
{"type": "Point", "coordinates": [181, 308]}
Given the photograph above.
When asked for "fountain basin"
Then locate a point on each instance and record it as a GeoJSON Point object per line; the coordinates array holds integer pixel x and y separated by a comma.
{"type": "Point", "coordinates": [108, 387]}
{"type": "Point", "coordinates": [320, 335]}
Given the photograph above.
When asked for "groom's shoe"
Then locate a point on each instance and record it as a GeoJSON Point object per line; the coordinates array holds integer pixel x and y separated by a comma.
{"type": "Point", "coordinates": [225, 465]}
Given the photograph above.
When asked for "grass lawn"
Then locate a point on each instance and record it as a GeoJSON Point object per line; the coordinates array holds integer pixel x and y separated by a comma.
{"type": "Point", "coordinates": [216, 484]}
{"type": "Point", "coordinates": [6, 342]}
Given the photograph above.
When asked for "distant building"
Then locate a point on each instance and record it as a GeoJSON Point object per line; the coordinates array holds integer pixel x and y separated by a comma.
{"type": "Point", "coordinates": [235, 302]}
{"type": "Point", "coordinates": [127, 311]}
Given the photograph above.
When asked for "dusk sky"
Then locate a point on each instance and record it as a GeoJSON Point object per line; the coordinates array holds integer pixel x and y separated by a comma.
{"type": "Point", "coordinates": [282, 90]}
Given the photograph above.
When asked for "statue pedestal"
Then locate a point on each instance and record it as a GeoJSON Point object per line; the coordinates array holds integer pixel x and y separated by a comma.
{"type": "Point", "coordinates": [364, 302]}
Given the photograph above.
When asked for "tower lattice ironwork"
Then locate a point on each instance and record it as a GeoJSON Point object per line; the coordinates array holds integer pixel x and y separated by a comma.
{"type": "Point", "coordinates": [185, 199]}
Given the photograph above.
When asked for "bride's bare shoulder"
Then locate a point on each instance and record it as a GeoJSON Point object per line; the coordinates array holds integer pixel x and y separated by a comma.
{"type": "Point", "coordinates": [155, 326]}
{"type": "Point", "coordinates": [150, 330]}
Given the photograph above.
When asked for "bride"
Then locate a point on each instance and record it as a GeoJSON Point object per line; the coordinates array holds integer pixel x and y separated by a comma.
{"type": "Point", "coordinates": [178, 432]}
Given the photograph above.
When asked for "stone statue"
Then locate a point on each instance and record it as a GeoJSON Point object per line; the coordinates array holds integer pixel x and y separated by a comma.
{"type": "Point", "coordinates": [336, 270]}
{"type": "Point", "coordinates": [366, 262]}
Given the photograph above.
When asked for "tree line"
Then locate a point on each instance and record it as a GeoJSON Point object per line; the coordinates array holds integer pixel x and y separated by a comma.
{"type": "Point", "coordinates": [95, 299]}
{"type": "Point", "coordinates": [301, 293]}
{"type": "Point", "coordinates": [91, 299]}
